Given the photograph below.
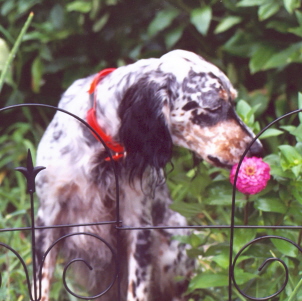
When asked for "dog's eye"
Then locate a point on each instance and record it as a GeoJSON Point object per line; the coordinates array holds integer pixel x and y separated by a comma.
{"type": "Point", "coordinates": [214, 109]}
{"type": "Point", "coordinates": [190, 105]}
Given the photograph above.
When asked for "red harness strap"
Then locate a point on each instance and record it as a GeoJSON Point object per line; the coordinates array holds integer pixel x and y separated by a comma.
{"type": "Point", "coordinates": [92, 121]}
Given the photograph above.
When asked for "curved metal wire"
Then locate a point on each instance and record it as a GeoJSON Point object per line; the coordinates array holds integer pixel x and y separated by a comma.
{"type": "Point", "coordinates": [30, 172]}
{"type": "Point", "coordinates": [232, 225]}
{"type": "Point", "coordinates": [86, 263]}
{"type": "Point", "coordinates": [267, 261]}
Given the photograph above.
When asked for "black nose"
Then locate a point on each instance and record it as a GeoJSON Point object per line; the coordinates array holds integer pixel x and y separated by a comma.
{"type": "Point", "coordinates": [256, 149]}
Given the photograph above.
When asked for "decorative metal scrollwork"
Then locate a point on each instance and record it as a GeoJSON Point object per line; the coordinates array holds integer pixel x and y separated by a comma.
{"type": "Point", "coordinates": [232, 262]}
{"type": "Point", "coordinates": [263, 265]}
{"type": "Point", "coordinates": [30, 172]}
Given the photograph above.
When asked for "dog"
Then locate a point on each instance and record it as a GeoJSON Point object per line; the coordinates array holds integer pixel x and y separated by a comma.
{"type": "Point", "coordinates": [140, 110]}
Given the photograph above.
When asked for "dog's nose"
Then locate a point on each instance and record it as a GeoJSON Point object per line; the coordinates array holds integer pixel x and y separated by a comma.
{"type": "Point", "coordinates": [256, 149]}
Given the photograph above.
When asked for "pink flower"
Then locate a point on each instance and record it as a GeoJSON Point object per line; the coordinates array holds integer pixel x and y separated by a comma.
{"type": "Point", "coordinates": [252, 177]}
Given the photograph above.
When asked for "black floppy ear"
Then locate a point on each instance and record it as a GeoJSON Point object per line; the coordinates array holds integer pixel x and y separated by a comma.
{"type": "Point", "coordinates": [144, 131]}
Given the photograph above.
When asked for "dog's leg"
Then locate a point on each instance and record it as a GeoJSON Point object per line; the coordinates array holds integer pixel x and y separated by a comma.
{"type": "Point", "coordinates": [171, 259]}
{"type": "Point", "coordinates": [44, 279]}
{"type": "Point", "coordinates": [136, 212]}
{"type": "Point", "coordinates": [173, 266]}
{"type": "Point", "coordinates": [45, 237]}
{"type": "Point", "coordinates": [140, 265]}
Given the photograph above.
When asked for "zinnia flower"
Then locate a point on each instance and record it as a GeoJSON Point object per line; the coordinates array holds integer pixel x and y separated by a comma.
{"type": "Point", "coordinates": [252, 177]}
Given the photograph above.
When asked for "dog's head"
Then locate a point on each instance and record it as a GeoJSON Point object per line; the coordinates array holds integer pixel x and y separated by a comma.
{"type": "Point", "coordinates": [185, 101]}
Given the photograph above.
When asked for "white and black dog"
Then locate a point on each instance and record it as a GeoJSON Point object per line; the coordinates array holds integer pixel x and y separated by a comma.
{"type": "Point", "coordinates": [141, 110]}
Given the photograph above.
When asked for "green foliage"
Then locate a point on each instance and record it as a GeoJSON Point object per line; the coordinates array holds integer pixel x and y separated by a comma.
{"type": "Point", "coordinates": [258, 45]}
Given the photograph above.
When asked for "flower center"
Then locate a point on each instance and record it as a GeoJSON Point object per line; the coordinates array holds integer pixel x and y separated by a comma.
{"type": "Point", "coordinates": [250, 170]}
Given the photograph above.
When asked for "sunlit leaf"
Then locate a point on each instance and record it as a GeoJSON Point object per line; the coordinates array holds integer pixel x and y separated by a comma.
{"type": "Point", "coordinates": [207, 280]}
{"type": "Point", "coordinates": [291, 5]}
{"type": "Point", "coordinates": [201, 19]}
{"type": "Point", "coordinates": [271, 133]}
{"type": "Point", "coordinates": [173, 36]}
{"type": "Point", "coordinates": [270, 204]}
{"type": "Point", "coordinates": [268, 9]}
{"type": "Point", "coordinates": [285, 247]}
{"type": "Point", "coordinates": [250, 2]}
{"type": "Point", "coordinates": [36, 74]}
{"type": "Point", "coordinates": [289, 55]}
{"type": "Point", "coordinates": [4, 53]}
{"type": "Point", "coordinates": [289, 156]}
{"type": "Point", "coordinates": [79, 6]}
{"type": "Point", "coordinates": [260, 57]}
{"type": "Point", "coordinates": [242, 237]}
{"type": "Point", "coordinates": [227, 23]}
{"type": "Point", "coordinates": [162, 20]}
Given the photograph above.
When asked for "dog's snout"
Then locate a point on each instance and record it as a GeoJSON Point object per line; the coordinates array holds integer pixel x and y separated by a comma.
{"type": "Point", "coordinates": [256, 150]}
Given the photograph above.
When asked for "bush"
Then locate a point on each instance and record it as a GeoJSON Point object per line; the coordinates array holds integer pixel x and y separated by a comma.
{"type": "Point", "coordinates": [258, 45]}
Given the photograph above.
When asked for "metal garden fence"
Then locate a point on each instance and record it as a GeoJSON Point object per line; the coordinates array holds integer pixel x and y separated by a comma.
{"type": "Point", "coordinates": [30, 172]}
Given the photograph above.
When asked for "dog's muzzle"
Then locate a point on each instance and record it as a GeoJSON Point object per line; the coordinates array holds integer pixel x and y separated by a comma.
{"type": "Point", "coordinates": [256, 150]}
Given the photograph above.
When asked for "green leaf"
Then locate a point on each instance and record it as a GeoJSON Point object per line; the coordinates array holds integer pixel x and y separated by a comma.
{"type": "Point", "coordinates": [201, 19]}
{"type": "Point", "coordinates": [227, 23]}
{"type": "Point", "coordinates": [243, 108]}
{"type": "Point", "coordinates": [242, 277]}
{"type": "Point", "coordinates": [260, 57]}
{"type": "Point", "coordinates": [297, 132]}
{"type": "Point", "coordinates": [297, 193]}
{"type": "Point", "coordinates": [246, 3]}
{"type": "Point", "coordinates": [271, 133]}
{"type": "Point", "coordinates": [222, 260]}
{"type": "Point", "coordinates": [289, 156]}
{"type": "Point", "coordinates": [36, 74]}
{"type": "Point", "coordinates": [98, 25]}
{"type": "Point", "coordinates": [242, 237]}
{"type": "Point", "coordinates": [270, 204]}
{"type": "Point", "coordinates": [208, 280]}
{"type": "Point", "coordinates": [291, 5]}
{"type": "Point", "coordinates": [278, 26]}
{"type": "Point", "coordinates": [4, 54]}
{"type": "Point", "coordinates": [268, 9]}
{"type": "Point", "coordinates": [220, 193]}
{"type": "Point", "coordinates": [299, 17]}
{"type": "Point", "coordinates": [285, 247]}
{"type": "Point", "coordinates": [57, 16]}
{"type": "Point", "coordinates": [79, 6]}
{"type": "Point", "coordinates": [173, 36]}
{"type": "Point", "coordinates": [296, 30]}
{"type": "Point", "coordinates": [242, 44]}
{"type": "Point", "coordinates": [186, 209]}
{"type": "Point", "coordinates": [284, 57]}
{"type": "Point", "coordinates": [162, 20]}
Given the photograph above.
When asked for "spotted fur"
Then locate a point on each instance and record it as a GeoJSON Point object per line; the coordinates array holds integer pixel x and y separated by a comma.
{"type": "Point", "coordinates": [149, 106]}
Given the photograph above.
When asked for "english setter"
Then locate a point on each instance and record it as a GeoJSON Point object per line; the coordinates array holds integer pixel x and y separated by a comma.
{"type": "Point", "coordinates": [142, 110]}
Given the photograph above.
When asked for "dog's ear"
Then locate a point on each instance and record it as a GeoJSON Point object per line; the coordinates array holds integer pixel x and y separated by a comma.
{"type": "Point", "coordinates": [144, 128]}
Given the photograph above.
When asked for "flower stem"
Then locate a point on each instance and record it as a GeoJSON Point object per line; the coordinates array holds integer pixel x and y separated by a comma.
{"type": "Point", "coordinates": [246, 210]}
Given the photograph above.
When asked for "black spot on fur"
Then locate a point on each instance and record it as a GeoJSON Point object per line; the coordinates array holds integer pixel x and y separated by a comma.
{"type": "Point", "coordinates": [190, 105]}
{"type": "Point", "coordinates": [142, 251]}
{"type": "Point", "coordinates": [158, 212]}
{"type": "Point", "coordinates": [57, 134]}
{"type": "Point", "coordinates": [204, 119]}
{"type": "Point", "coordinates": [40, 241]}
{"type": "Point", "coordinates": [134, 289]}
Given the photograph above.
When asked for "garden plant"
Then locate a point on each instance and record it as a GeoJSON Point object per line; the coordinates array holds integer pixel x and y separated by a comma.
{"type": "Point", "coordinates": [258, 45]}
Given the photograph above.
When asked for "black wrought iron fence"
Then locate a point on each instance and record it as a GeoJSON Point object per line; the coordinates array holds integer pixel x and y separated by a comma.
{"type": "Point", "coordinates": [30, 172]}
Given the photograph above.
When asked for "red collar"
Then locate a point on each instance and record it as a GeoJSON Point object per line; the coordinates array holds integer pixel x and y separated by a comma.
{"type": "Point", "coordinates": [92, 121]}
